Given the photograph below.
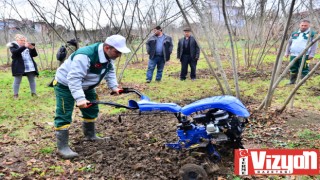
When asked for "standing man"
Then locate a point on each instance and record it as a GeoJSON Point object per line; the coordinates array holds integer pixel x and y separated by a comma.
{"type": "Point", "coordinates": [75, 81]}
{"type": "Point", "coordinates": [188, 52]}
{"type": "Point", "coordinates": [159, 48]}
{"type": "Point", "coordinates": [64, 52]}
{"type": "Point", "coordinates": [296, 44]}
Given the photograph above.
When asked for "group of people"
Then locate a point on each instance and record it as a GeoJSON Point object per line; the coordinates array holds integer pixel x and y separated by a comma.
{"type": "Point", "coordinates": [86, 67]}
{"type": "Point", "coordinates": [159, 47]}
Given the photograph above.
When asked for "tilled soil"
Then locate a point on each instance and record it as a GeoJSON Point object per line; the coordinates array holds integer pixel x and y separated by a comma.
{"type": "Point", "coordinates": [136, 148]}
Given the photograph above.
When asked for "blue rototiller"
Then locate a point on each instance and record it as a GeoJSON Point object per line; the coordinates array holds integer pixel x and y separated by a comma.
{"type": "Point", "coordinates": [203, 124]}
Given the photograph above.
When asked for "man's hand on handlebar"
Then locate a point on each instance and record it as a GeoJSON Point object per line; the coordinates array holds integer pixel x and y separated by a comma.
{"type": "Point", "coordinates": [116, 91]}
{"type": "Point", "coordinates": [83, 104]}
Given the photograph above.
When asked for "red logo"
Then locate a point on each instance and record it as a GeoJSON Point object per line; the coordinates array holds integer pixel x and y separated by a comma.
{"type": "Point", "coordinates": [277, 161]}
{"type": "Point", "coordinates": [98, 65]}
{"type": "Point", "coordinates": [296, 35]}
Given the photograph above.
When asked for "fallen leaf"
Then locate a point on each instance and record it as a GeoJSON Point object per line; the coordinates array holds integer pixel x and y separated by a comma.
{"type": "Point", "coordinates": [67, 162]}
{"type": "Point", "coordinates": [8, 162]}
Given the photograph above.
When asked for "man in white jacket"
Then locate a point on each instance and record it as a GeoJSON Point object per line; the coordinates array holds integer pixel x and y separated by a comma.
{"type": "Point", "coordinates": [75, 81]}
{"type": "Point", "coordinates": [297, 43]}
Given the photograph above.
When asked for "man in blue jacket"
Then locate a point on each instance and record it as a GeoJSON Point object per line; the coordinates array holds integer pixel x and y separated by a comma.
{"type": "Point", "coordinates": [75, 81]}
{"type": "Point", "coordinates": [159, 48]}
{"type": "Point", "coordinates": [188, 52]}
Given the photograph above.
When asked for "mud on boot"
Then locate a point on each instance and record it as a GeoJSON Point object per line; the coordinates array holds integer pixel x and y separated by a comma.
{"type": "Point", "coordinates": [89, 132]}
{"type": "Point", "coordinates": [63, 147]}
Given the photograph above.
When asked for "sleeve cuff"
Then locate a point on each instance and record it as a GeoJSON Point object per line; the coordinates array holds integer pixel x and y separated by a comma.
{"type": "Point", "coordinates": [80, 99]}
{"type": "Point", "coordinates": [114, 88]}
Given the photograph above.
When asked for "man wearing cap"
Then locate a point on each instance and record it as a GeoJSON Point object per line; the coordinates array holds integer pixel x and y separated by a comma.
{"type": "Point", "coordinates": [159, 48]}
{"type": "Point", "coordinates": [75, 81]}
{"type": "Point", "coordinates": [188, 52]}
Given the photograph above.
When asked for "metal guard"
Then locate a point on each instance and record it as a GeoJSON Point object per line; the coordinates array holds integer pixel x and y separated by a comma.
{"type": "Point", "coordinates": [226, 102]}
{"type": "Point", "coordinates": [146, 105]}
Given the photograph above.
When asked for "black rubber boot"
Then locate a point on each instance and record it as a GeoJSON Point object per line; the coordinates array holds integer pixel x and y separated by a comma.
{"type": "Point", "coordinates": [89, 132]}
{"type": "Point", "coordinates": [62, 143]}
{"type": "Point", "coordinates": [293, 78]}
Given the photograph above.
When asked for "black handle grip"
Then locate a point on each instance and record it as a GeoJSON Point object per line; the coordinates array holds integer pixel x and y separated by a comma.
{"type": "Point", "coordinates": [91, 103]}
{"type": "Point", "coordinates": [116, 105]}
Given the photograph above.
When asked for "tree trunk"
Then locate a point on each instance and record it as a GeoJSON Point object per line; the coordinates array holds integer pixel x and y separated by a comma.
{"type": "Point", "coordinates": [203, 52]}
{"type": "Point", "coordinates": [287, 70]}
{"type": "Point", "coordinates": [298, 86]}
{"type": "Point", "coordinates": [275, 67]}
{"type": "Point", "coordinates": [212, 46]}
{"type": "Point", "coordinates": [234, 65]}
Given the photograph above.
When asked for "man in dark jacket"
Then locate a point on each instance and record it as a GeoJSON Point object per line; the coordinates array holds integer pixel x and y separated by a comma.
{"type": "Point", "coordinates": [188, 52]}
{"type": "Point", "coordinates": [71, 46]}
{"type": "Point", "coordinates": [159, 48]}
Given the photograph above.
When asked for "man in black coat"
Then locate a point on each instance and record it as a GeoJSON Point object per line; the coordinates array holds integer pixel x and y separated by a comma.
{"type": "Point", "coordinates": [188, 52]}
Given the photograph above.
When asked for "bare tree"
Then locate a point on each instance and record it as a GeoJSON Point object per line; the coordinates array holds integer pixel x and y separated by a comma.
{"type": "Point", "coordinates": [4, 15]}
{"type": "Point", "coordinates": [234, 66]}
{"type": "Point", "coordinates": [283, 8]}
{"type": "Point", "coordinates": [203, 52]}
{"type": "Point", "coordinates": [300, 83]}
{"type": "Point", "coordinates": [286, 70]}
{"type": "Point", "coordinates": [270, 92]}
{"type": "Point", "coordinates": [212, 43]}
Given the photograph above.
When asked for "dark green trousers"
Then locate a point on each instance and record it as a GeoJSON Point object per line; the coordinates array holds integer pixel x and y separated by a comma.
{"type": "Point", "coordinates": [294, 69]}
{"type": "Point", "coordinates": [65, 104]}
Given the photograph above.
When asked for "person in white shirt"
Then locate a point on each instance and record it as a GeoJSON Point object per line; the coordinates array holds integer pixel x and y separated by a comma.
{"type": "Point", "coordinates": [23, 64]}
{"type": "Point", "coordinates": [296, 44]}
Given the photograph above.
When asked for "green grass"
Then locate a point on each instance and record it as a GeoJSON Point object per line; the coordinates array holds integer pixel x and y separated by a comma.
{"type": "Point", "coordinates": [57, 169]}
{"type": "Point", "coordinates": [20, 116]}
{"type": "Point", "coordinates": [16, 175]}
{"type": "Point", "coordinates": [47, 150]}
{"type": "Point", "coordinates": [309, 135]}
{"type": "Point", "coordinates": [88, 168]}
{"type": "Point", "coordinates": [21, 113]}
{"type": "Point", "coordinates": [36, 170]}
{"type": "Point", "coordinates": [304, 139]}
